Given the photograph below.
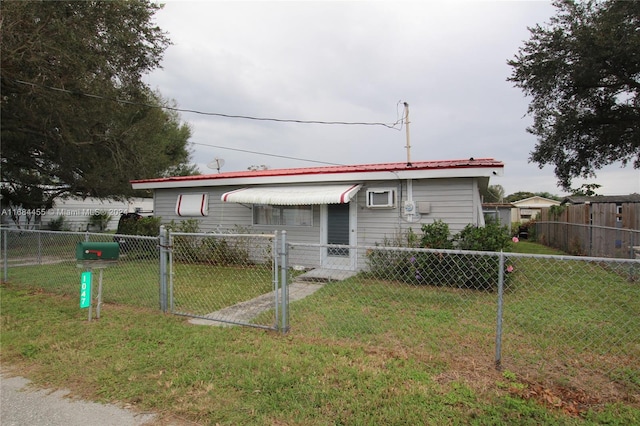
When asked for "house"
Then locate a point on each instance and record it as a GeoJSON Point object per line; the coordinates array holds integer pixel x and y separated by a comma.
{"type": "Point", "coordinates": [74, 214]}
{"type": "Point", "coordinates": [346, 205]}
{"type": "Point", "coordinates": [530, 208]}
{"type": "Point", "coordinates": [77, 212]}
{"type": "Point", "coordinates": [500, 212]}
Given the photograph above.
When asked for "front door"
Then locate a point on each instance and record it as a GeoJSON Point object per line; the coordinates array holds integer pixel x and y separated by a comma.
{"type": "Point", "coordinates": [339, 229]}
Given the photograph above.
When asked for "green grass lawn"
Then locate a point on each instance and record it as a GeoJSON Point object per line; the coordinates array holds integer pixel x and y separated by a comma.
{"type": "Point", "coordinates": [212, 375]}
{"type": "Point", "coordinates": [360, 351]}
{"type": "Point", "coordinates": [531, 247]}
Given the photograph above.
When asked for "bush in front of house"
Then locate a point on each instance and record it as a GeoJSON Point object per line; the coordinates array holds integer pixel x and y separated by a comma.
{"type": "Point", "coordinates": [411, 266]}
{"type": "Point", "coordinates": [460, 270]}
{"type": "Point", "coordinates": [134, 224]}
{"type": "Point", "coordinates": [390, 264]}
{"type": "Point", "coordinates": [491, 237]}
{"type": "Point", "coordinates": [436, 235]}
{"type": "Point", "coordinates": [203, 249]}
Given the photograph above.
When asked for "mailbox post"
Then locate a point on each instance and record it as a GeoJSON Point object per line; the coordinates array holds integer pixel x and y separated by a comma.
{"type": "Point", "coordinates": [93, 255]}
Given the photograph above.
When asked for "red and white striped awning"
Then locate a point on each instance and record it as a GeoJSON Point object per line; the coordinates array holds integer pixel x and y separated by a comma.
{"type": "Point", "coordinates": [192, 205]}
{"type": "Point", "coordinates": [295, 195]}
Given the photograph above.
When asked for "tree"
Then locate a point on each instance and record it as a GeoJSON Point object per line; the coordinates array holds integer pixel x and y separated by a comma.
{"type": "Point", "coordinates": [517, 196]}
{"type": "Point", "coordinates": [582, 71]}
{"type": "Point", "coordinates": [587, 190]}
{"type": "Point", "coordinates": [548, 195]}
{"type": "Point", "coordinates": [494, 194]}
{"type": "Point", "coordinates": [77, 118]}
{"type": "Point", "coordinates": [521, 195]}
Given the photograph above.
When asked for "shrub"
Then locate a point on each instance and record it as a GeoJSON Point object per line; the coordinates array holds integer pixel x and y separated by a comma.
{"type": "Point", "coordinates": [480, 271]}
{"type": "Point", "coordinates": [100, 220]}
{"type": "Point", "coordinates": [214, 250]}
{"type": "Point", "coordinates": [57, 224]}
{"type": "Point", "coordinates": [148, 226]}
{"type": "Point", "coordinates": [132, 224]}
{"type": "Point", "coordinates": [388, 264]}
{"type": "Point", "coordinates": [436, 235]}
{"type": "Point", "coordinates": [491, 237]}
{"type": "Point", "coordinates": [458, 270]}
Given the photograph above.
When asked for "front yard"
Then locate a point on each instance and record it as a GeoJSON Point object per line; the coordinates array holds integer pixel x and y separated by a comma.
{"type": "Point", "coordinates": [360, 351]}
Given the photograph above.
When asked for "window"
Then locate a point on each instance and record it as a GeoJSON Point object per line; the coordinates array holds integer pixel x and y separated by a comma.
{"type": "Point", "coordinates": [619, 213]}
{"type": "Point", "coordinates": [282, 215]}
{"type": "Point", "coordinates": [381, 198]}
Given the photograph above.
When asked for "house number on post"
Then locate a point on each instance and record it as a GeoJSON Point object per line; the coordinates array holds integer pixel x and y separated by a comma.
{"type": "Point", "coordinates": [85, 289]}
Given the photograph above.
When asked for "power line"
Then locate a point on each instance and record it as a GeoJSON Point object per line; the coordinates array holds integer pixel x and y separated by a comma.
{"type": "Point", "coordinates": [215, 114]}
{"type": "Point", "coordinates": [268, 155]}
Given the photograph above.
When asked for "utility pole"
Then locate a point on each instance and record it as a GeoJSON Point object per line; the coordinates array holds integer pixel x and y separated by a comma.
{"type": "Point", "coordinates": [406, 123]}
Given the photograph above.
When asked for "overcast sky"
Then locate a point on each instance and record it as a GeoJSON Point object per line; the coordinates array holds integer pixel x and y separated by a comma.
{"type": "Point", "coordinates": [357, 62]}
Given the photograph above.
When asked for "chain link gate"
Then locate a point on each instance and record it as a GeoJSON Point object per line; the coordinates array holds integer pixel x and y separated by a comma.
{"type": "Point", "coordinates": [225, 279]}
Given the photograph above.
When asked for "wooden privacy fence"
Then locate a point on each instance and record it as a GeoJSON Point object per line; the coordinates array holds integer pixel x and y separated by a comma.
{"type": "Point", "coordinates": [614, 215]}
{"type": "Point", "coordinates": [597, 229]}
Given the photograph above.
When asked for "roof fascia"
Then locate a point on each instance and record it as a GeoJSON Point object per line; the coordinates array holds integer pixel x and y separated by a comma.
{"type": "Point", "coordinates": [463, 172]}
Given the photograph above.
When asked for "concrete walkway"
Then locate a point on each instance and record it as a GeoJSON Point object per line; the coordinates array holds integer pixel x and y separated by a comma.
{"type": "Point", "coordinates": [244, 312]}
{"type": "Point", "coordinates": [22, 405]}
{"type": "Point", "coordinates": [304, 285]}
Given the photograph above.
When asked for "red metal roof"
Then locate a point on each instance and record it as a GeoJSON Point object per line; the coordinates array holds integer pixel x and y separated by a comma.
{"type": "Point", "coordinates": [360, 168]}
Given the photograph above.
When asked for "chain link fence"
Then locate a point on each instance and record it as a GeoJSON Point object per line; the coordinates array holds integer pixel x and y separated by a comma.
{"type": "Point", "coordinates": [562, 320]}
{"type": "Point", "coordinates": [574, 320]}
{"type": "Point", "coordinates": [228, 278]}
{"type": "Point", "coordinates": [46, 260]}
{"type": "Point", "coordinates": [549, 319]}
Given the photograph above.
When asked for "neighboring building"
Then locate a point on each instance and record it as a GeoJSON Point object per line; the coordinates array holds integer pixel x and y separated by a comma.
{"type": "Point", "coordinates": [500, 212]}
{"type": "Point", "coordinates": [350, 205]}
{"type": "Point", "coordinates": [77, 212]}
{"type": "Point", "coordinates": [596, 199]}
{"type": "Point", "coordinates": [530, 208]}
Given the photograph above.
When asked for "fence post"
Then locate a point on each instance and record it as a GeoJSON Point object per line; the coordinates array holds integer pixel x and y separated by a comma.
{"type": "Point", "coordinates": [5, 255]}
{"type": "Point", "coordinates": [39, 248]}
{"type": "Point", "coordinates": [499, 314]}
{"type": "Point", "coordinates": [169, 249]}
{"type": "Point", "coordinates": [276, 281]}
{"type": "Point", "coordinates": [163, 268]}
{"type": "Point", "coordinates": [284, 290]}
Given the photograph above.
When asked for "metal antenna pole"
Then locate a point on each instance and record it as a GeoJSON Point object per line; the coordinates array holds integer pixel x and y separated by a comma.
{"type": "Point", "coordinates": [406, 123]}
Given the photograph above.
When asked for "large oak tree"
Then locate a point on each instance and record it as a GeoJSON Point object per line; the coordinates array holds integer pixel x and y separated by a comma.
{"type": "Point", "coordinates": [77, 118]}
{"type": "Point", "coordinates": [582, 72]}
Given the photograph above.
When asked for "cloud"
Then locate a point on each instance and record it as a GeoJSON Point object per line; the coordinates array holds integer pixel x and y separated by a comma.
{"type": "Point", "coordinates": [354, 61]}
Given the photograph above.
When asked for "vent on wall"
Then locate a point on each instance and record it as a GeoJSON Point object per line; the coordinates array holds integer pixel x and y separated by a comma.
{"type": "Point", "coordinates": [381, 198]}
{"type": "Point", "coordinates": [424, 207]}
{"type": "Point", "coordinates": [192, 205]}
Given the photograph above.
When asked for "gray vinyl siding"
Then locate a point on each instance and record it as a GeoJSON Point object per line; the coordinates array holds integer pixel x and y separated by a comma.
{"type": "Point", "coordinates": [229, 216]}
{"type": "Point", "coordinates": [451, 200]}
{"type": "Point", "coordinates": [232, 217]}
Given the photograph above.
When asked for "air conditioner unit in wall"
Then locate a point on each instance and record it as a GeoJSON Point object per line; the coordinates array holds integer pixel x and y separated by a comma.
{"type": "Point", "coordinates": [381, 198]}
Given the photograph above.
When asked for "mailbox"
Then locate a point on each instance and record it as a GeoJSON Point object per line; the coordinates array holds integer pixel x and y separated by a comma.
{"type": "Point", "coordinates": [97, 251]}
